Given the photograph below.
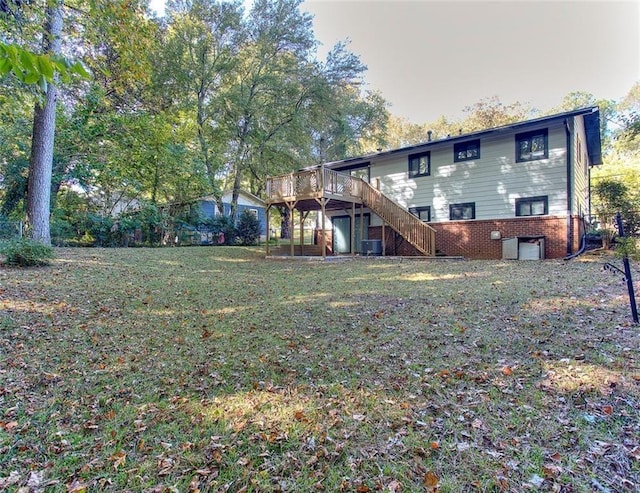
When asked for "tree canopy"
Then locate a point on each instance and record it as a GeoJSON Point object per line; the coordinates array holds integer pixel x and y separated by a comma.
{"type": "Point", "coordinates": [206, 99]}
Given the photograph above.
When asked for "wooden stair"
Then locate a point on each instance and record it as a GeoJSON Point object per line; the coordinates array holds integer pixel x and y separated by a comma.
{"type": "Point", "coordinates": [420, 235]}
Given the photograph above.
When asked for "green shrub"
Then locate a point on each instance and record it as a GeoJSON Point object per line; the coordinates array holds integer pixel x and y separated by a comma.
{"type": "Point", "coordinates": [224, 225]}
{"type": "Point", "coordinates": [248, 229]}
{"type": "Point", "coordinates": [61, 231]}
{"type": "Point", "coordinates": [97, 231]}
{"type": "Point", "coordinates": [26, 253]}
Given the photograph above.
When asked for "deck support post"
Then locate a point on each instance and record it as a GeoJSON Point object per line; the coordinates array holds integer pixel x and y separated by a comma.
{"type": "Point", "coordinates": [324, 234]}
{"type": "Point", "coordinates": [323, 209]}
{"type": "Point", "coordinates": [361, 225]}
{"type": "Point", "coordinates": [384, 233]}
{"type": "Point", "coordinates": [291, 206]}
{"type": "Point", "coordinates": [353, 228]}
{"type": "Point", "coordinates": [384, 240]}
{"type": "Point", "coordinates": [266, 215]}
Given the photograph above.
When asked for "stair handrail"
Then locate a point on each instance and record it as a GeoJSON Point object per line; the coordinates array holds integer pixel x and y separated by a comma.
{"type": "Point", "coordinates": [412, 228]}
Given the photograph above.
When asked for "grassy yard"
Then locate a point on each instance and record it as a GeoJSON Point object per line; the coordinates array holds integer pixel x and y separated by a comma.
{"type": "Point", "coordinates": [212, 369]}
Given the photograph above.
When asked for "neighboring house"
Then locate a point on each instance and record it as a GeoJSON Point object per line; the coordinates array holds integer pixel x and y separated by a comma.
{"type": "Point", "coordinates": [246, 202]}
{"type": "Point", "coordinates": [516, 191]}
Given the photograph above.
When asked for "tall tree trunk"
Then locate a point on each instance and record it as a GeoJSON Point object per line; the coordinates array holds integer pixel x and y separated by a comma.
{"type": "Point", "coordinates": [235, 193]}
{"type": "Point", "coordinates": [241, 157]}
{"type": "Point", "coordinates": [284, 224]}
{"type": "Point", "coordinates": [204, 148]}
{"type": "Point", "coordinates": [44, 126]}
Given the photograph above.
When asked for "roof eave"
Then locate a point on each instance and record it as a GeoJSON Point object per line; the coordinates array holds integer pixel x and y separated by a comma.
{"type": "Point", "coordinates": [588, 111]}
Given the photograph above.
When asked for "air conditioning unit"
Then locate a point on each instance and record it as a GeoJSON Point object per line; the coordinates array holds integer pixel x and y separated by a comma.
{"type": "Point", "coordinates": [523, 248]}
{"type": "Point", "coordinates": [371, 247]}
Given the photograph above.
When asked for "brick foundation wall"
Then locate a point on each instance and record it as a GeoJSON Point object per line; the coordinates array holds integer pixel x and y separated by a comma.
{"type": "Point", "coordinates": [577, 232]}
{"type": "Point", "coordinates": [472, 239]}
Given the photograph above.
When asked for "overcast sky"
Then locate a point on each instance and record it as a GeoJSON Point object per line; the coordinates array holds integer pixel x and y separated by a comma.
{"type": "Point", "coordinates": [431, 58]}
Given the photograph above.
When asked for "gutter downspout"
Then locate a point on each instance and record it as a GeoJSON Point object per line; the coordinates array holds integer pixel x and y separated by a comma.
{"type": "Point", "coordinates": [583, 245]}
{"type": "Point", "coordinates": [569, 185]}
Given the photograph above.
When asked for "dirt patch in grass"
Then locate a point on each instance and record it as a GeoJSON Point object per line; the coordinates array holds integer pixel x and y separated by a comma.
{"type": "Point", "coordinates": [212, 369]}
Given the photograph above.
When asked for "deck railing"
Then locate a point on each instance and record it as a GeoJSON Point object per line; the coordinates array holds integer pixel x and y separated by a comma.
{"type": "Point", "coordinates": [413, 229]}
{"type": "Point", "coordinates": [313, 183]}
{"type": "Point", "coordinates": [340, 184]}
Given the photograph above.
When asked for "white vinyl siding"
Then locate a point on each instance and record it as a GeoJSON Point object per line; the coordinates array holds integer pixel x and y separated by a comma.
{"type": "Point", "coordinates": [243, 199]}
{"type": "Point", "coordinates": [493, 182]}
{"type": "Point", "coordinates": [580, 173]}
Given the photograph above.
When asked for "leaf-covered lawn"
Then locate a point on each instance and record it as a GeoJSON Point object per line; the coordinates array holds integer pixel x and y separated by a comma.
{"type": "Point", "coordinates": [212, 369]}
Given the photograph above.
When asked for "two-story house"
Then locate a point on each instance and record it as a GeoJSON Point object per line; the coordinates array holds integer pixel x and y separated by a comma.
{"type": "Point", "coordinates": [516, 191]}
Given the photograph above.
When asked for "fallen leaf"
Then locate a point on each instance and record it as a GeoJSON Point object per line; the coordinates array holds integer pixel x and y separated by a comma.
{"type": "Point", "coordinates": [551, 470]}
{"type": "Point", "coordinates": [394, 487]}
{"type": "Point", "coordinates": [359, 417]}
{"type": "Point", "coordinates": [10, 425]}
{"type": "Point", "coordinates": [194, 485]}
{"type": "Point", "coordinates": [118, 459]}
{"type": "Point", "coordinates": [431, 481]}
{"type": "Point", "coordinates": [608, 410]}
{"type": "Point", "coordinates": [76, 486]}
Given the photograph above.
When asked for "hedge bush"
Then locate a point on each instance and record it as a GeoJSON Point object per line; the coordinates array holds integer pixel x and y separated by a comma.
{"type": "Point", "coordinates": [26, 253]}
